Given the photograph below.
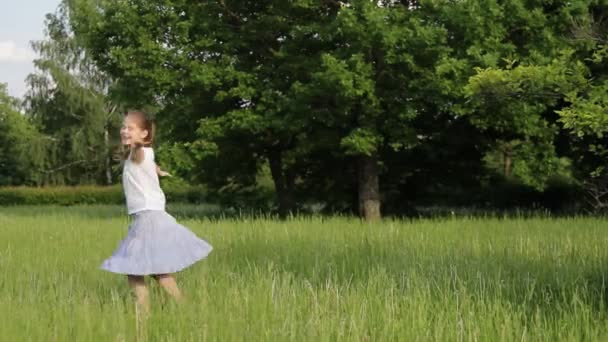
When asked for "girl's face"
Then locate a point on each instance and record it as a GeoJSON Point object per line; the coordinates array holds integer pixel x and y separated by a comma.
{"type": "Point", "coordinates": [130, 132]}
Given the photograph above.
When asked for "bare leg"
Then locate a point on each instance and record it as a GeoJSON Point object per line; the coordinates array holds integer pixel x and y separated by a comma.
{"type": "Point", "coordinates": [167, 282]}
{"type": "Point", "coordinates": [138, 284]}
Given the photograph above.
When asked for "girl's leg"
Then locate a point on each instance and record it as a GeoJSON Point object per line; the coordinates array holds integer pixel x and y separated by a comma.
{"type": "Point", "coordinates": [167, 281]}
{"type": "Point", "coordinates": [138, 284]}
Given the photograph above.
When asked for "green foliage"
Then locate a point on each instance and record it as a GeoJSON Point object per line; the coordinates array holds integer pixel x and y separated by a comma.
{"type": "Point", "coordinates": [588, 114]}
{"type": "Point", "coordinates": [295, 88]}
{"type": "Point", "coordinates": [22, 147]}
{"type": "Point", "coordinates": [64, 195]}
{"type": "Point", "coordinates": [69, 101]}
{"type": "Point", "coordinates": [533, 165]}
{"type": "Point", "coordinates": [61, 195]}
{"type": "Point", "coordinates": [584, 117]}
{"type": "Point", "coordinates": [513, 104]}
{"type": "Point", "coordinates": [361, 141]}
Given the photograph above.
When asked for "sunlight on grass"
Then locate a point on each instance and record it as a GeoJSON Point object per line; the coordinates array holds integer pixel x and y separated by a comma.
{"type": "Point", "coordinates": [311, 279]}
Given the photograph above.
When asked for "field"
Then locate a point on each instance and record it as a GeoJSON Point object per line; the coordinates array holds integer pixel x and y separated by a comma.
{"type": "Point", "coordinates": [311, 278]}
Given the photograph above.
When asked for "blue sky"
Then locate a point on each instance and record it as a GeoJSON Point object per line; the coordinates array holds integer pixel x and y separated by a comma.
{"type": "Point", "coordinates": [21, 21]}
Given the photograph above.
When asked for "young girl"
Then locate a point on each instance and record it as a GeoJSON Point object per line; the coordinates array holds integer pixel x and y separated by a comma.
{"type": "Point", "coordinates": [155, 244]}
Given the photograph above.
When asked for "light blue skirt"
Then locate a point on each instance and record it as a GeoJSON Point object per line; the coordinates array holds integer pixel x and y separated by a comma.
{"type": "Point", "coordinates": [156, 244]}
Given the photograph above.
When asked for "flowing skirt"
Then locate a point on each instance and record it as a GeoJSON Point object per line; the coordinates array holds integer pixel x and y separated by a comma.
{"type": "Point", "coordinates": [156, 244]}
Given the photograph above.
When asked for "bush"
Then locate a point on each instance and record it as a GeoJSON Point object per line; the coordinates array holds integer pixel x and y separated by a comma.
{"type": "Point", "coordinates": [61, 195]}
{"type": "Point", "coordinates": [66, 195]}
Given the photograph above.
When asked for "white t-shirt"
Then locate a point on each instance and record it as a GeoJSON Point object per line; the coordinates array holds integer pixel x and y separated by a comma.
{"type": "Point", "coordinates": [141, 185]}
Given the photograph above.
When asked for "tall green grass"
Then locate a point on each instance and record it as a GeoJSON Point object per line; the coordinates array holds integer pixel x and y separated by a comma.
{"type": "Point", "coordinates": [314, 278]}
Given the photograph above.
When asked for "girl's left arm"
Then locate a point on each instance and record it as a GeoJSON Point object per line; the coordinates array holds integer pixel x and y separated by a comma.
{"type": "Point", "coordinates": [161, 172]}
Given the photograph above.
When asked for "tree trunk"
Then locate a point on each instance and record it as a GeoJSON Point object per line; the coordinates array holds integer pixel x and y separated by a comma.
{"type": "Point", "coordinates": [108, 160]}
{"type": "Point", "coordinates": [369, 189]}
{"type": "Point", "coordinates": [284, 182]}
{"type": "Point", "coordinates": [508, 162]}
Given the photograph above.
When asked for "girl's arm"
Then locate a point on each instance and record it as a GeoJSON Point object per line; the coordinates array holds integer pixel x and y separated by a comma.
{"type": "Point", "coordinates": [161, 172]}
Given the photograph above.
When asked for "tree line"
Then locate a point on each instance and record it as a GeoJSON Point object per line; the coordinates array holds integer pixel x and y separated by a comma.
{"type": "Point", "coordinates": [364, 106]}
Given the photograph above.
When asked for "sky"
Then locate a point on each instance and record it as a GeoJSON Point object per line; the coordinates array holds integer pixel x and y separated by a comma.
{"type": "Point", "coordinates": [21, 21]}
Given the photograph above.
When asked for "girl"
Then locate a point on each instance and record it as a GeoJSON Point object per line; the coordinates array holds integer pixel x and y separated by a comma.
{"type": "Point", "coordinates": [155, 244]}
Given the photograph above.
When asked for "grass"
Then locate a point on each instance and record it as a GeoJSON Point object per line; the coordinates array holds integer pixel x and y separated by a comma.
{"type": "Point", "coordinates": [311, 278]}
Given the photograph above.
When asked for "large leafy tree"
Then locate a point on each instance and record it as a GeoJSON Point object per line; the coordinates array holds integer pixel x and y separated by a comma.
{"type": "Point", "coordinates": [378, 75]}
{"type": "Point", "coordinates": [222, 74]}
{"type": "Point", "coordinates": [522, 58]}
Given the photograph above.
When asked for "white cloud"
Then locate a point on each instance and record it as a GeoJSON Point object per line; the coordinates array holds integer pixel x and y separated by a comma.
{"type": "Point", "coordinates": [10, 52]}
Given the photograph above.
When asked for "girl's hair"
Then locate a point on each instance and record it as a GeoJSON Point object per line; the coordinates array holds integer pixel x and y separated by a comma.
{"type": "Point", "coordinates": [145, 123]}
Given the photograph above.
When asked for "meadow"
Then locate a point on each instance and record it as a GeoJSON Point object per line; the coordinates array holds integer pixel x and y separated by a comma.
{"type": "Point", "coordinates": [311, 279]}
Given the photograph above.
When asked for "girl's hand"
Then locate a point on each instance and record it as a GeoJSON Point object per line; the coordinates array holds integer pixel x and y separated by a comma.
{"type": "Point", "coordinates": [162, 173]}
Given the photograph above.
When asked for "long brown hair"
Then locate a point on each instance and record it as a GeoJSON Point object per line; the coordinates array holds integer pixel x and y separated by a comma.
{"type": "Point", "coordinates": [143, 121]}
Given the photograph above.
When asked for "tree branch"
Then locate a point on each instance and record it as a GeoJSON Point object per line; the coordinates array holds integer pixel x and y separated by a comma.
{"type": "Point", "coordinates": [231, 14]}
{"type": "Point", "coordinates": [65, 166]}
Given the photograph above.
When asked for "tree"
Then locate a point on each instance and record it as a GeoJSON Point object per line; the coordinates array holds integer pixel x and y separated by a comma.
{"type": "Point", "coordinates": [221, 73]}
{"type": "Point", "coordinates": [524, 63]}
{"type": "Point", "coordinates": [69, 99]}
{"type": "Point", "coordinates": [21, 146]}
{"type": "Point", "coordinates": [378, 77]}
{"type": "Point", "coordinates": [584, 116]}
{"type": "Point", "coordinates": [245, 86]}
